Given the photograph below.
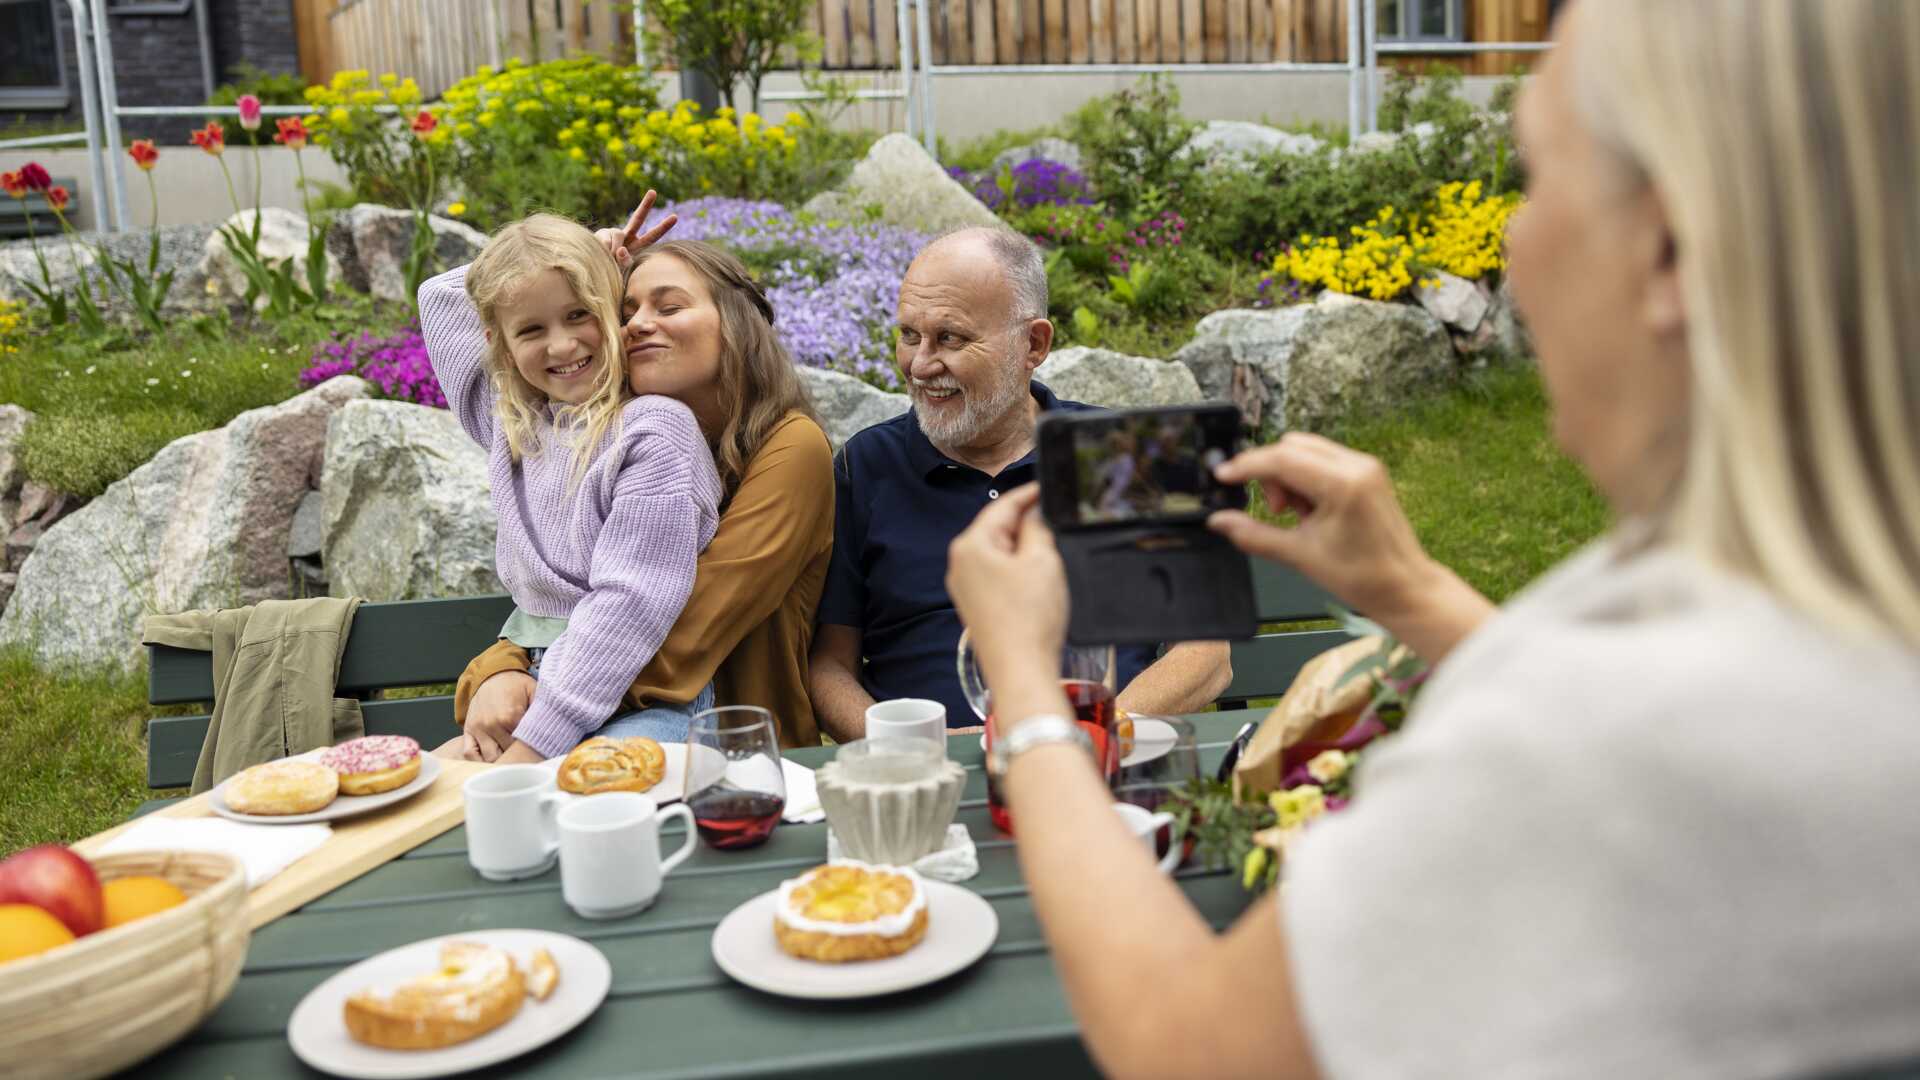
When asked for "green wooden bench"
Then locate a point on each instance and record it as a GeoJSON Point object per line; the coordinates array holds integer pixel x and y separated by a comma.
{"type": "Point", "coordinates": [392, 645]}
{"type": "Point", "coordinates": [422, 642]}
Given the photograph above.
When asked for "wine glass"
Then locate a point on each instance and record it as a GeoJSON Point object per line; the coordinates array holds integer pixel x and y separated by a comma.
{"type": "Point", "coordinates": [734, 784]}
{"type": "Point", "coordinates": [1086, 676]}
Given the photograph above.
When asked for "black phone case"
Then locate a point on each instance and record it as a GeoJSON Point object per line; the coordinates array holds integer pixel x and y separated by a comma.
{"type": "Point", "coordinates": [1142, 585]}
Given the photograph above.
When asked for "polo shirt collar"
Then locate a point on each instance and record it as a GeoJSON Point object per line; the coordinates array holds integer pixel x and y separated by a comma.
{"type": "Point", "coordinates": [926, 459]}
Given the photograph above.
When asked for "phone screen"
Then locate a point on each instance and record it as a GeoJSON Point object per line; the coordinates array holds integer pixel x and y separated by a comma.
{"type": "Point", "coordinates": [1141, 466]}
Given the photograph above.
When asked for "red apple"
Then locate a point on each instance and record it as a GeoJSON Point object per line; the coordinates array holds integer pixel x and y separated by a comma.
{"type": "Point", "coordinates": [55, 879]}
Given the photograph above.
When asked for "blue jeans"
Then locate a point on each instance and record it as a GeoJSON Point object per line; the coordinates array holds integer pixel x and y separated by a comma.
{"type": "Point", "coordinates": [665, 722]}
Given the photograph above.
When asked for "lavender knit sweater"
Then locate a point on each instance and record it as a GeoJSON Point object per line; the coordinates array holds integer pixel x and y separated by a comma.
{"type": "Point", "coordinates": [614, 556]}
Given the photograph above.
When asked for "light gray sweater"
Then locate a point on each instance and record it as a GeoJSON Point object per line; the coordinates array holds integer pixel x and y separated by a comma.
{"type": "Point", "coordinates": [1646, 822]}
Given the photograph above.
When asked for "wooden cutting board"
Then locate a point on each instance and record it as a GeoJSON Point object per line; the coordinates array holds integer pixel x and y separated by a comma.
{"type": "Point", "coordinates": [358, 844]}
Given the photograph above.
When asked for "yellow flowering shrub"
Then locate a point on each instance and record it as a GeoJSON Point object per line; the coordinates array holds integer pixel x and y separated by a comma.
{"type": "Point", "coordinates": [1460, 232]}
{"type": "Point", "coordinates": [13, 321]}
{"type": "Point", "coordinates": [374, 128]}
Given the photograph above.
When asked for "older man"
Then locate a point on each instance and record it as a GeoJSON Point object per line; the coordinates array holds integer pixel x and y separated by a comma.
{"type": "Point", "coordinates": [972, 329]}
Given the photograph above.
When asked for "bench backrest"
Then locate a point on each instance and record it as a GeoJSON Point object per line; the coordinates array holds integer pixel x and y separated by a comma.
{"type": "Point", "coordinates": [1263, 667]}
{"type": "Point", "coordinates": [398, 644]}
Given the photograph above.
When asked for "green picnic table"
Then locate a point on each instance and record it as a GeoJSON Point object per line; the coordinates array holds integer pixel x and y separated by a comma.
{"type": "Point", "coordinates": [671, 1011]}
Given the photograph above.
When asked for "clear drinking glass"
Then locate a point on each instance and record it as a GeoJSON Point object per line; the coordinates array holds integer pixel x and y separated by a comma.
{"type": "Point", "coordinates": [1160, 757]}
{"type": "Point", "coordinates": [734, 784]}
{"type": "Point", "coordinates": [1086, 675]}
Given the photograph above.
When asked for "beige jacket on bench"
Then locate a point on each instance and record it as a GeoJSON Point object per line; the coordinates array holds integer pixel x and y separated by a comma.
{"type": "Point", "coordinates": [274, 668]}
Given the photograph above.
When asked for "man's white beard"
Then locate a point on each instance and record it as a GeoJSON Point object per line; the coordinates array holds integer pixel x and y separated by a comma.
{"type": "Point", "coordinates": [979, 410]}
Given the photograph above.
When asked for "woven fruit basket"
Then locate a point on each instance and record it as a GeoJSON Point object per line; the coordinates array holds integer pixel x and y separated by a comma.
{"type": "Point", "coordinates": [116, 996]}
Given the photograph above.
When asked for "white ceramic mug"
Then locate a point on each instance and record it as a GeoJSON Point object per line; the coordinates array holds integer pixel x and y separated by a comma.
{"type": "Point", "coordinates": [510, 821]}
{"type": "Point", "coordinates": [610, 862]}
{"type": "Point", "coordinates": [908, 718]}
{"type": "Point", "coordinates": [1145, 824]}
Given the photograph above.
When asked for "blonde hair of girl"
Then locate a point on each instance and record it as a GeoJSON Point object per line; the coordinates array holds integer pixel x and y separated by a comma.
{"type": "Point", "coordinates": [515, 254]}
{"type": "Point", "coordinates": [1781, 137]}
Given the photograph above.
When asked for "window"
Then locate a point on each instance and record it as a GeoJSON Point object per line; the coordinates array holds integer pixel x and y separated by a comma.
{"type": "Point", "coordinates": [33, 69]}
{"type": "Point", "coordinates": [1420, 20]}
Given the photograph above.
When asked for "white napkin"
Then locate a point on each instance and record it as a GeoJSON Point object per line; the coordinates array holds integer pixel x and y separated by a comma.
{"type": "Point", "coordinates": [264, 850]}
{"type": "Point", "coordinates": [956, 861]}
{"type": "Point", "coordinates": [803, 798]}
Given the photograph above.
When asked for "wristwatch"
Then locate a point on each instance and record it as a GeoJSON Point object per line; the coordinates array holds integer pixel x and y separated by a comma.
{"type": "Point", "coordinates": [1035, 731]}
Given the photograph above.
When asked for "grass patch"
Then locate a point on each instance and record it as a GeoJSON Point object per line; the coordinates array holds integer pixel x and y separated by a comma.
{"type": "Point", "coordinates": [103, 408]}
{"type": "Point", "coordinates": [75, 753]}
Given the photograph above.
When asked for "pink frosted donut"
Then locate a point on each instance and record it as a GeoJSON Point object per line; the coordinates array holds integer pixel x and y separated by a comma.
{"type": "Point", "coordinates": [375, 763]}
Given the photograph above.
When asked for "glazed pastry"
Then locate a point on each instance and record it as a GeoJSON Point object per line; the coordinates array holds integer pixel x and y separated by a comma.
{"type": "Point", "coordinates": [607, 764]}
{"type": "Point", "coordinates": [371, 765]}
{"type": "Point", "coordinates": [848, 910]}
{"type": "Point", "coordinates": [282, 787]}
{"type": "Point", "coordinates": [542, 975]}
{"type": "Point", "coordinates": [476, 989]}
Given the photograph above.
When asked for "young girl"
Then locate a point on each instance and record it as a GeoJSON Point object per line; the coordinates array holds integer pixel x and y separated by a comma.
{"type": "Point", "coordinates": [604, 499]}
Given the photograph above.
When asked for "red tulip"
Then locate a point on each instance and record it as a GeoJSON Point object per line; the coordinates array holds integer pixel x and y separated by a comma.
{"type": "Point", "coordinates": [35, 177]}
{"type": "Point", "coordinates": [143, 153]}
{"type": "Point", "coordinates": [14, 184]}
{"type": "Point", "coordinates": [293, 132]}
{"type": "Point", "coordinates": [57, 197]}
{"type": "Point", "coordinates": [249, 112]}
{"type": "Point", "coordinates": [424, 124]}
{"type": "Point", "coordinates": [212, 138]}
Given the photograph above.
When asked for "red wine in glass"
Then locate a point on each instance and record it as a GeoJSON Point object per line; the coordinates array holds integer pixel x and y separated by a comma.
{"type": "Point", "coordinates": [730, 817]}
{"type": "Point", "coordinates": [1093, 709]}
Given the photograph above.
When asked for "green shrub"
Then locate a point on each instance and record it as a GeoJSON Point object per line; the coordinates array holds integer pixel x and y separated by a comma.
{"type": "Point", "coordinates": [82, 453]}
{"type": "Point", "coordinates": [1132, 142]}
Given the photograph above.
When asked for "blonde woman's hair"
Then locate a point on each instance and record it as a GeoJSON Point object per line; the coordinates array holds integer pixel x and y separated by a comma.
{"type": "Point", "coordinates": [515, 255]}
{"type": "Point", "coordinates": [758, 387]}
{"type": "Point", "coordinates": [1781, 137]}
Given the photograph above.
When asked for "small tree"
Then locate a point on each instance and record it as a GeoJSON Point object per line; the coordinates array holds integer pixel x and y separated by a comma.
{"type": "Point", "coordinates": [730, 40]}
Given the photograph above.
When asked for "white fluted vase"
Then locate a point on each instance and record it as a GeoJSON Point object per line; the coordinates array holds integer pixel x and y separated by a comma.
{"type": "Point", "coordinates": [890, 801]}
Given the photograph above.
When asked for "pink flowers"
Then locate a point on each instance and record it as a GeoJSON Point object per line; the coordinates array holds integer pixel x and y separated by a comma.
{"type": "Point", "coordinates": [35, 177]}
{"type": "Point", "coordinates": [249, 107]}
{"type": "Point", "coordinates": [292, 132]}
{"type": "Point", "coordinates": [143, 153]}
{"type": "Point", "coordinates": [212, 138]}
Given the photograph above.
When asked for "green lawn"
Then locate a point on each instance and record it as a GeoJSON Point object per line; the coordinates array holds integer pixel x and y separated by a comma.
{"type": "Point", "coordinates": [1481, 479]}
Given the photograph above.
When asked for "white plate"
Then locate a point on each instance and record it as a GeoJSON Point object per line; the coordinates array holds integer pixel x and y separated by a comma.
{"type": "Point", "coordinates": [318, 1030]}
{"type": "Point", "coordinates": [673, 783]}
{"type": "Point", "coordinates": [1152, 740]}
{"type": "Point", "coordinates": [960, 929]}
{"type": "Point", "coordinates": [344, 806]}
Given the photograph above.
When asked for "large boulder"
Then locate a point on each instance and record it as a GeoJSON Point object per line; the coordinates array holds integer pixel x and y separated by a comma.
{"type": "Point", "coordinates": [19, 269]}
{"type": "Point", "coordinates": [1115, 380]}
{"type": "Point", "coordinates": [372, 244]}
{"type": "Point", "coordinates": [283, 237]}
{"type": "Point", "coordinates": [910, 188]}
{"type": "Point", "coordinates": [1305, 365]}
{"type": "Point", "coordinates": [1240, 143]}
{"type": "Point", "coordinates": [13, 424]}
{"type": "Point", "coordinates": [182, 251]}
{"type": "Point", "coordinates": [406, 507]}
{"type": "Point", "coordinates": [846, 405]}
{"type": "Point", "coordinates": [1459, 304]}
{"type": "Point", "coordinates": [202, 525]}
{"type": "Point", "coordinates": [1047, 149]}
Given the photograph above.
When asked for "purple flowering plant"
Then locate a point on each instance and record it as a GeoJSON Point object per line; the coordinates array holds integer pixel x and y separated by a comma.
{"type": "Point", "coordinates": [1031, 183]}
{"type": "Point", "coordinates": [396, 364]}
{"type": "Point", "coordinates": [833, 285]}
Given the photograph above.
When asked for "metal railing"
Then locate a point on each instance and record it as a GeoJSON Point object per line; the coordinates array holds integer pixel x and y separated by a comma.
{"type": "Point", "coordinates": [103, 112]}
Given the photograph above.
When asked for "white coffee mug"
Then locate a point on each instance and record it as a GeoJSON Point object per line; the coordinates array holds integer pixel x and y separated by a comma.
{"type": "Point", "coordinates": [510, 826]}
{"type": "Point", "coordinates": [1145, 824]}
{"type": "Point", "coordinates": [610, 862]}
{"type": "Point", "coordinates": [909, 718]}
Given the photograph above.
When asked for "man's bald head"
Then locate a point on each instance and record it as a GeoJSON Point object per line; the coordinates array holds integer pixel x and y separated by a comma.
{"type": "Point", "coordinates": [1022, 273]}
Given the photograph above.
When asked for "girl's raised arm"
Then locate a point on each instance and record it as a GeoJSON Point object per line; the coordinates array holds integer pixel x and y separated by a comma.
{"type": "Point", "coordinates": [457, 344]}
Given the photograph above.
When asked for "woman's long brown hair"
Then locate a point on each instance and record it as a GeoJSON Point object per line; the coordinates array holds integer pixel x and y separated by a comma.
{"type": "Point", "coordinates": [757, 382]}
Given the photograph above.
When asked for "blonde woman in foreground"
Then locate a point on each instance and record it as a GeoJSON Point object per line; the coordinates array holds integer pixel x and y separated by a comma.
{"type": "Point", "coordinates": [1656, 816]}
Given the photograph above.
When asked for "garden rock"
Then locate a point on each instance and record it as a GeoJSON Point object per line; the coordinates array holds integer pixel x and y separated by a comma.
{"type": "Point", "coordinates": [13, 424]}
{"type": "Point", "coordinates": [283, 236]}
{"type": "Point", "coordinates": [1115, 380]}
{"type": "Point", "coordinates": [846, 405]}
{"type": "Point", "coordinates": [372, 244]}
{"type": "Point", "coordinates": [1047, 149]}
{"type": "Point", "coordinates": [1374, 141]}
{"type": "Point", "coordinates": [1460, 304]}
{"type": "Point", "coordinates": [1499, 335]}
{"type": "Point", "coordinates": [1306, 365]}
{"type": "Point", "coordinates": [182, 248]}
{"type": "Point", "coordinates": [406, 506]}
{"type": "Point", "coordinates": [304, 537]}
{"type": "Point", "coordinates": [910, 188]}
{"type": "Point", "coordinates": [202, 525]}
{"type": "Point", "coordinates": [7, 583]}
{"type": "Point", "coordinates": [1240, 143]}
{"type": "Point", "coordinates": [65, 263]}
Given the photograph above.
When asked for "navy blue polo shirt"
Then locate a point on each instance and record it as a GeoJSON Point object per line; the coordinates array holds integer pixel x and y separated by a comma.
{"type": "Point", "coordinates": [898, 503]}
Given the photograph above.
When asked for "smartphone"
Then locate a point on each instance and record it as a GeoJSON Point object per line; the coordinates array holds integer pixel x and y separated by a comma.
{"type": "Point", "coordinates": [1136, 466]}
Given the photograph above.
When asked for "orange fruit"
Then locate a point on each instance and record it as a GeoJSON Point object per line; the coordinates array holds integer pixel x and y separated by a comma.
{"type": "Point", "coordinates": [26, 930]}
{"type": "Point", "coordinates": [137, 897]}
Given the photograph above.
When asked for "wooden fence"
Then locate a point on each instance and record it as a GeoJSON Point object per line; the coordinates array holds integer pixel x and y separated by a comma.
{"type": "Point", "coordinates": [439, 42]}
